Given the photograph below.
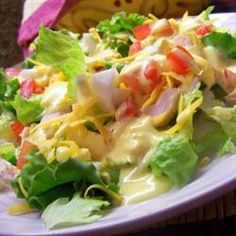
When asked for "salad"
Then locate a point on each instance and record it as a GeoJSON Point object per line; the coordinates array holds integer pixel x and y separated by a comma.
{"type": "Point", "coordinates": [118, 115]}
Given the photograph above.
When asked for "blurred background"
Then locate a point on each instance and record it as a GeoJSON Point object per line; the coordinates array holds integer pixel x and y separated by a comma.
{"type": "Point", "coordinates": [11, 13]}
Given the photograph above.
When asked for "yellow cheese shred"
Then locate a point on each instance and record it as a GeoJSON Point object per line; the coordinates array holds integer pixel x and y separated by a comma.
{"type": "Point", "coordinates": [19, 208]}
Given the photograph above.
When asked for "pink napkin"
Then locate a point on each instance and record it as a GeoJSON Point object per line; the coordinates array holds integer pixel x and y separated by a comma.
{"type": "Point", "coordinates": [47, 14]}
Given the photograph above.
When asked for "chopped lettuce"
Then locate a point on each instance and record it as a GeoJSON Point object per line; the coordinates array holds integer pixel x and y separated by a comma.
{"type": "Point", "coordinates": [175, 157]}
{"type": "Point", "coordinates": [7, 152]}
{"type": "Point", "coordinates": [44, 182]}
{"type": "Point", "coordinates": [27, 111]}
{"type": "Point", "coordinates": [116, 32]}
{"type": "Point", "coordinates": [120, 21]}
{"type": "Point", "coordinates": [63, 52]}
{"type": "Point", "coordinates": [225, 42]}
{"type": "Point", "coordinates": [65, 212]}
{"type": "Point", "coordinates": [215, 142]}
{"type": "Point", "coordinates": [6, 132]}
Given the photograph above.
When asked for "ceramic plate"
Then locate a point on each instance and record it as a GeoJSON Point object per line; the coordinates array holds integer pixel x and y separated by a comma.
{"type": "Point", "coordinates": [212, 181]}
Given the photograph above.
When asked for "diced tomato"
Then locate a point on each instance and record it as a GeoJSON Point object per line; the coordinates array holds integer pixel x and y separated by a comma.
{"type": "Point", "coordinates": [152, 73]}
{"type": "Point", "coordinates": [127, 109]}
{"type": "Point", "coordinates": [132, 81]}
{"type": "Point", "coordinates": [25, 149]}
{"type": "Point", "coordinates": [135, 47]}
{"type": "Point", "coordinates": [180, 60]}
{"type": "Point", "coordinates": [203, 30]}
{"type": "Point", "coordinates": [28, 87]}
{"type": "Point", "coordinates": [17, 128]}
{"type": "Point", "coordinates": [12, 71]}
{"type": "Point", "coordinates": [36, 88]}
{"type": "Point", "coordinates": [142, 31]}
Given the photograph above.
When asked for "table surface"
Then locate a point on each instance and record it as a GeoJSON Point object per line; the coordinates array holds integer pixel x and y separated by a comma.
{"type": "Point", "coordinates": [218, 217]}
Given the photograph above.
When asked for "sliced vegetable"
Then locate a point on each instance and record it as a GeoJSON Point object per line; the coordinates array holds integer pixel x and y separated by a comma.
{"type": "Point", "coordinates": [65, 212]}
{"type": "Point", "coordinates": [205, 14]}
{"type": "Point", "coordinates": [28, 87]}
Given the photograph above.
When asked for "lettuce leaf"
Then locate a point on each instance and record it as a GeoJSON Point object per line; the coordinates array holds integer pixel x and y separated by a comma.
{"type": "Point", "coordinates": [65, 212]}
{"type": "Point", "coordinates": [63, 52]}
{"type": "Point", "coordinates": [225, 42]}
{"type": "Point", "coordinates": [7, 152]}
{"type": "Point", "coordinates": [205, 14]}
{"type": "Point", "coordinates": [27, 111]}
{"type": "Point", "coordinates": [215, 142]}
{"type": "Point", "coordinates": [120, 21]}
{"type": "Point", "coordinates": [46, 182]}
{"type": "Point", "coordinates": [175, 157]}
{"type": "Point", "coordinates": [116, 32]}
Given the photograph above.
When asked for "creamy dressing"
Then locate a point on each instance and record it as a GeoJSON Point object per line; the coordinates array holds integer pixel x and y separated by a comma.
{"type": "Point", "coordinates": [131, 151]}
{"type": "Point", "coordinates": [133, 142]}
{"type": "Point", "coordinates": [139, 184]}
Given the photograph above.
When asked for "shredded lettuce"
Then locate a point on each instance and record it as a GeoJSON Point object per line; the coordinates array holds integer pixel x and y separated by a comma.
{"type": "Point", "coordinates": [225, 42]}
{"type": "Point", "coordinates": [65, 212]}
{"type": "Point", "coordinates": [63, 52]}
{"type": "Point", "coordinates": [175, 157]}
{"type": "Point", "coordinates": [27, 111]}
{"type": "Point", "coordinates": [44, 182]}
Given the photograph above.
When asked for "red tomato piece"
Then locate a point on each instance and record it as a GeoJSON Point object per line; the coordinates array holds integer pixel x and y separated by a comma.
{"type": "Point", "coordinates": [152, 73]}
{"type": "Point", "coordinates": [135, 47]}
{"type": "Point", "coordinates": [142, 31]}
{"type": "Point", "coordinates": [203, 30]}
{"type": "Point", "coordinates": [179, 60]}
{"type": "Point", "coordinates": [25, 149]}
{"type": "Point", "coordinates": [36, 88]}
{"type": "Point", "coordinates": [12, 71]}
{"type": "Point", "coordinates": [17, 128]}
{"type": "Point", "coordinates": [127, 109]}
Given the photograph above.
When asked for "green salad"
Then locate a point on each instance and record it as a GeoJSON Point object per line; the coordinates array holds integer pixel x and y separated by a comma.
{"type": "Point", "coordinates": [117, 115]}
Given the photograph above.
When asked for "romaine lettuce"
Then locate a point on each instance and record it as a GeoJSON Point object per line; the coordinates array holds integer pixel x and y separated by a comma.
{"type": "Point", "coordinates": [63, 52]}
{"type": "Point", "coordinates": [65, 212]}
{"type": "Point", "coordinates": [175, 157]}
{"type": "Point", "coordinates": [27, 111]}
{"type": "Point", "coordinates": [7, 152]}
{"type": "Point", "coordinates": [46, 182]}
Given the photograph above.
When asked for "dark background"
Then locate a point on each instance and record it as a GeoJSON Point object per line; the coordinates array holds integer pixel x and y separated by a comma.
{"type": "Point", "coordinates": [10, 54]}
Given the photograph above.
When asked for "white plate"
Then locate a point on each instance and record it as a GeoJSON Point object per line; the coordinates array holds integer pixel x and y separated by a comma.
{"type": "Point", "coordinates": [214, 180]}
